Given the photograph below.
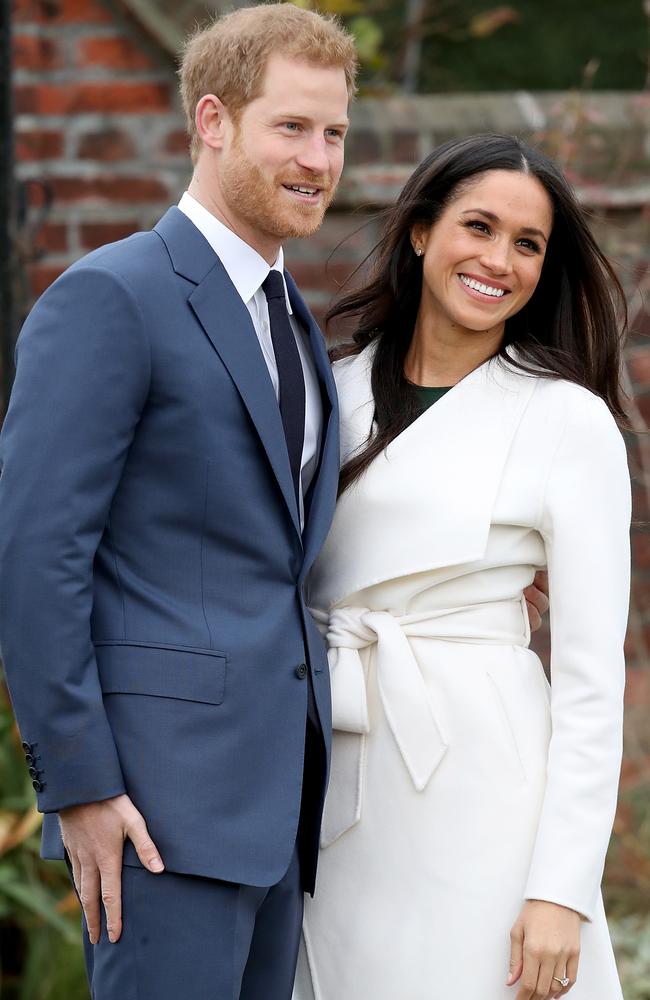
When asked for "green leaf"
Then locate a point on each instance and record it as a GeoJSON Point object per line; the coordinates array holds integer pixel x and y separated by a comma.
{"type": "Point", "coordinates": [33, 898]}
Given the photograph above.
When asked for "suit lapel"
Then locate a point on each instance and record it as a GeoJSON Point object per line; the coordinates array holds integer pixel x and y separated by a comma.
{"type": "Point", "coordinates": [325, 484]}
{"type": "Point", "coordinates": [229, 327]}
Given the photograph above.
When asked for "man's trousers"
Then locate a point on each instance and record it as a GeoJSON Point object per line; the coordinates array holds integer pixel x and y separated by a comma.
{"type": "Point", "coordinates": [189, 938]}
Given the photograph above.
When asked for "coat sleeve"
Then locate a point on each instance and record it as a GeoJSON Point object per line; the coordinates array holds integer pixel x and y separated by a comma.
{"type": "Point", "coordinates": [82, 377]}
{"type": "Point", "coordinates": [585, 521]}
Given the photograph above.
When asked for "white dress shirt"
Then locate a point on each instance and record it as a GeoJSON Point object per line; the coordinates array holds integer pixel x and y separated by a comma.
{"type": "Point", "coordinates": [248, 270]}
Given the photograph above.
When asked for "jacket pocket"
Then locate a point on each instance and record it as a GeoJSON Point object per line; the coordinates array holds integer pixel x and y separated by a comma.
{"type": "Point", "coordinates": [164, 671]}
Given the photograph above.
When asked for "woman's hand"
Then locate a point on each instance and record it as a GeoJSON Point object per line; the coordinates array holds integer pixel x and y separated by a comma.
{"type": "Point", "coordinates": [545, 943]}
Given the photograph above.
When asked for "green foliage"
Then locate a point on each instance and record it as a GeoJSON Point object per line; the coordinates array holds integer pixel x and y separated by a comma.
{"type": "Point", "coordinates": [40, 953]}
{"type": "Point", "coordinates": [631, 937]}
{"type": "Point", "coordinates": [480, 45]}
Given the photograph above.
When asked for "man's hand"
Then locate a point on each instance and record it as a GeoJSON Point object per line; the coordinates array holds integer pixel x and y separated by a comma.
{"type": "Point", "coordinates": [93, 836]}
{"type": "Point", "coordinates": [537, 599]}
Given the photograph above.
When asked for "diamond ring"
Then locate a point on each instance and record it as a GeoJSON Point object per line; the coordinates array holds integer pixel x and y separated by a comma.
{"type": "Point", "coordinates": [563, 982]}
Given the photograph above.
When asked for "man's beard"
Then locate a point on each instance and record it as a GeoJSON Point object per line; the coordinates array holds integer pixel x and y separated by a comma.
{"type": "Point", "coordinates": [259, 200]}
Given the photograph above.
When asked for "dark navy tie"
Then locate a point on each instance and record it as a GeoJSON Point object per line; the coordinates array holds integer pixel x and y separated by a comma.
{"type": "Point", "coordinates": [290, 375]}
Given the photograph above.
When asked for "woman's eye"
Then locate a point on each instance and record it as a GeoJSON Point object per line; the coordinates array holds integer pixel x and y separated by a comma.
{"type": "Point", "coordinates": [479, 226]}
{"type": "Point", "coordinates": [529, 245]}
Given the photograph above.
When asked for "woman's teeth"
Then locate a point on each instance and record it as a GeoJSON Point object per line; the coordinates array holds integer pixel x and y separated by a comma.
{"type": "Point", "coordinates": [480, 287]}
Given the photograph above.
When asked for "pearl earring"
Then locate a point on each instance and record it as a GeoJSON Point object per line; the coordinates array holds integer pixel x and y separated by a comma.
{"type": "Point", "coordinates": [418, 251]}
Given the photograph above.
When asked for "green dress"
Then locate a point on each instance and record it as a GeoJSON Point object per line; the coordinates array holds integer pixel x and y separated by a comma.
{"type": "Point", "coordinates": [428, 395]}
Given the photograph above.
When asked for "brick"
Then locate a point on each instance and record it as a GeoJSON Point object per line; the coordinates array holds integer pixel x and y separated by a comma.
{"type": "Point", "coordinates": [328, 277]}
{"type": "Point", "coordinates": [107, 146]}
{"type": "Point", "coordinates": [642, 400]}
{"type": "Point", "coordinates": [641, 549]}
{"type": "Point", "coordinates": [41, 276]}
{"type": "Point", "coordinates": [637, 687]}
{"type": "Point", "coordinates": [363, 146]}
{"type": "Point", "coordinates": [129, 189]}
{"type": "Point", "coordinates": [52, 237]}
{"type": "Point", "coordinates": [96, 234]}
{"type": "Point", "coordinates": [177, 143]}
{"type": "Point", "coordinates": [639, 366]}
{"type": "Point", "coordinates": [60, 12]}
{"type": "Point", "coordinates": [36, 54]}
{"type": "Point", "coordinates": [46, 145]}
{"type": "Point", "coordinates": [634, 770]}
{"type": "Point", "coordinates": [92, 97]}
{"type": "Point", "coordinates": [405, 147]}
{"type": "Point", "coordinates": [116, 53]}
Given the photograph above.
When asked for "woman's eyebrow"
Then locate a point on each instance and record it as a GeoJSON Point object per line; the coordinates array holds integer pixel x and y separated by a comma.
{"type": "Point", "coordinates": [528, 230]}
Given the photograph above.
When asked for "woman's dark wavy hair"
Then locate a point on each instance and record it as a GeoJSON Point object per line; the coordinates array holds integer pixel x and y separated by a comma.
{"type": "Point", "coordinates": [571, 328]}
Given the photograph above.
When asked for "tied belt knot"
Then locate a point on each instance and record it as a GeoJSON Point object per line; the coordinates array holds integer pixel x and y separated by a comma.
{"type": "Point", "coordinates": [408, 705]}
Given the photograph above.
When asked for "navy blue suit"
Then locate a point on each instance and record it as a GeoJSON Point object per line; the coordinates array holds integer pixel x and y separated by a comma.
{"type": "Point", "coordinates": [152, 608]}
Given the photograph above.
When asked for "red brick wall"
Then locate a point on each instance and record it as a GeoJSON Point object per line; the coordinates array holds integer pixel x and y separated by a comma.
{"type": "Point", "coordinates": [98, 129]}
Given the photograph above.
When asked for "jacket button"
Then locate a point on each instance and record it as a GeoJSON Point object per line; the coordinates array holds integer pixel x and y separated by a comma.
{"type": "Point", "coordinates": [301, 671]}
{"type": "Point", "coordinates": [37, 785]}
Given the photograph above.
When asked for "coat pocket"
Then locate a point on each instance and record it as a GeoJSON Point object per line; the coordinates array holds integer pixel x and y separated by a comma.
{"type": "Point", "coordinates": [502, 698]}
{"type": "Point", "coordinates": [164, 671]}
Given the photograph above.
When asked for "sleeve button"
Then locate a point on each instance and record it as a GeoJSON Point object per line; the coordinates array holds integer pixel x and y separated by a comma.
{"type": "Point", "coordinates": [37, 785]}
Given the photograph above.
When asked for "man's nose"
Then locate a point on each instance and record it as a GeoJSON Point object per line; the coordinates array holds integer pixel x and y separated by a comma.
{"type": "Point", "coordinates": [313, 156]}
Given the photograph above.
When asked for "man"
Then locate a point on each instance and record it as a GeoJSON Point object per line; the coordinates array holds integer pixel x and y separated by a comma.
{"type": "Point", "coordinates": [170, 465]}
{"type": "Point", "coordinates": [159, 512]}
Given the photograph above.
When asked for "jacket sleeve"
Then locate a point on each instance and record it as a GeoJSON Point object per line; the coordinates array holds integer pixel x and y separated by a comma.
{"type": "Point", "coordinates": [82, 377]}
{"type": "Point", "coordinates": [585, 521]}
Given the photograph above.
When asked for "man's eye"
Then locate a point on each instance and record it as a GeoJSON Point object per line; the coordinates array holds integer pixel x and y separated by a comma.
{"type": "Point", "coordinates": [292, 126]}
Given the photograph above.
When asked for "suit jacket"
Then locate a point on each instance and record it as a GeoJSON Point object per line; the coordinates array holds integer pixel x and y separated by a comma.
{"type": "Point", "coordinates": [152, 617]}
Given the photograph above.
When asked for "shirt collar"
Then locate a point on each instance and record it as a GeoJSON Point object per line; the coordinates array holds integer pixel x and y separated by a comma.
{"type": "Point", "coordinates": [245, 267]}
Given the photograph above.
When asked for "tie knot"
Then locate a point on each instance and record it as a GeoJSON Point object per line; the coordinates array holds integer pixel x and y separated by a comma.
{"type": "Point", "coordinates": [273, 285]}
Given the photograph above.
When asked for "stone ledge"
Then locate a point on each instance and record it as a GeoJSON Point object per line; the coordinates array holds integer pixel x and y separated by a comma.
{"type": "Point", "coordinates": [518, 111]}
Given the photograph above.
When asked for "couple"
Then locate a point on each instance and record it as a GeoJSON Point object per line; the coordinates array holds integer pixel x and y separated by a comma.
{"type": "Point", "coordinates": [170, 472]}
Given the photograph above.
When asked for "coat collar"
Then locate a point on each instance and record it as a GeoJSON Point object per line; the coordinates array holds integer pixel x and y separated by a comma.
{"type": "Point", "coordinates": [427, 501]}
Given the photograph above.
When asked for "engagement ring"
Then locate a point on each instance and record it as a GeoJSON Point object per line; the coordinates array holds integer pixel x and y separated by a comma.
{"type": "Point", "coordinates": [562, 982]}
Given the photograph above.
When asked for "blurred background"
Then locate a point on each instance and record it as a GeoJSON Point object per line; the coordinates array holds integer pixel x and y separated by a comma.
{"type": "Point", "coordinates": [92, 148]}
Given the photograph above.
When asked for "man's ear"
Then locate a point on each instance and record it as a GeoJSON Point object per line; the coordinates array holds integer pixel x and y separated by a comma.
{"type": "Point", "coordinates": [211, 119]}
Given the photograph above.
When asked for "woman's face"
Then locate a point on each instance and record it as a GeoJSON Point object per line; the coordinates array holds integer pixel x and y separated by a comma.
{"type": "Point", "coordinates": [483, 257]}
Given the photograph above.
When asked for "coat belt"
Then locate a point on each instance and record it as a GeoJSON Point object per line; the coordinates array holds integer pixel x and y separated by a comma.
{"type": "Point", "coordinates": [408, 705]}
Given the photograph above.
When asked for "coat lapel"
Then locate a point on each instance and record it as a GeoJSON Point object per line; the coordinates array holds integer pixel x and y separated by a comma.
{"type": "Point", "coordinates": [229, 327]}
{"type": "Point", "coordinates": [427, 502]}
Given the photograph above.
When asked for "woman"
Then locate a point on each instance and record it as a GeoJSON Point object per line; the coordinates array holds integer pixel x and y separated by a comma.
{"type": "Point", "coordinates": [470, 805]}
